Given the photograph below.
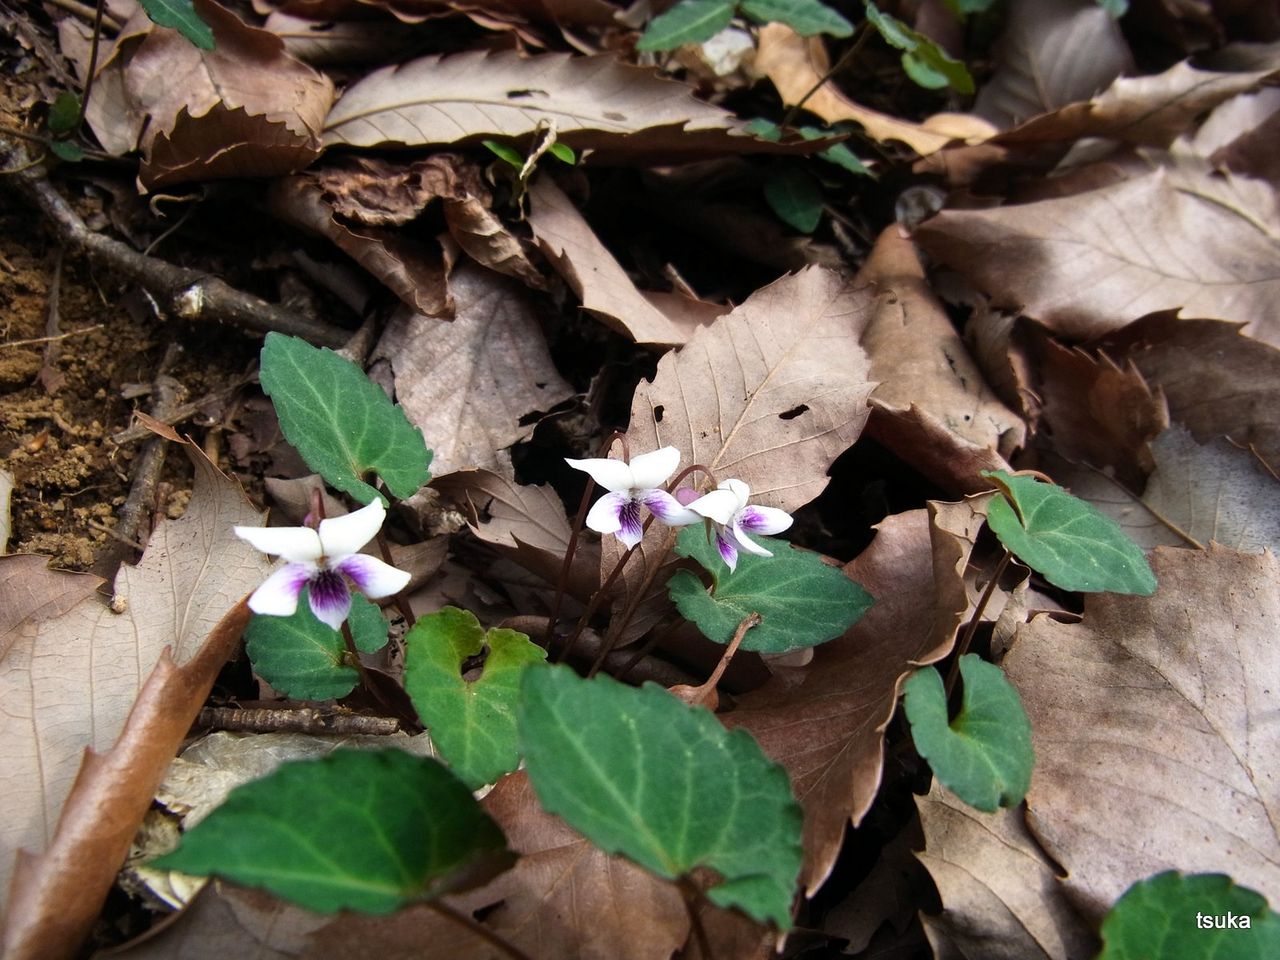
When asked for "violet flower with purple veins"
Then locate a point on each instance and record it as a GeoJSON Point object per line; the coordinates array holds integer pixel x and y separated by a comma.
{"type": "Point", "coordinates": [733, 517]}
{"type": "Point", "coordinates": [323, 559]}
{"type": "Point", "coordinates": [632, 486]}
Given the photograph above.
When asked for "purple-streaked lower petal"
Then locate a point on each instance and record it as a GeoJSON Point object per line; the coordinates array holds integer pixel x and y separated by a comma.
{"type": "Point", "coordinates": [340, 536]}
{"type": "Point", "coordinates": [648, 470]}
{"type": "Point", "coordinates": [295, 544]}
{"type": "Point", "coordinates": [330, 598]}
{"type": "Point", "coordinates": [728, 552]}
{"type": "Point", "coordinates": [630, 527]}
{"type": "Point", "coordinates": [278, 595]}
{"type": "Point", "coordinates": [667, 508]}
{"type": "Point", "coordinates": [605, 515]}
{"type": "Point", "coordinates": [718, 505]}
{"type": "Point", "coordinates": [764, 520]}
{"type": "Point", "coordinates": [613, 475]}
{"type": "Point", "coordinates": [747, 544]}
{"type": "Point", "coordinates": [372, 577]}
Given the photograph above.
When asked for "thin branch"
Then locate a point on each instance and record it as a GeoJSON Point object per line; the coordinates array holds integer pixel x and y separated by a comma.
{"type": "Point", "coordinates": [86, 12]}
{"type": "Point", "coordinates": [963, 646]}
{"type": "Point", "coordinates": [34, 341]}
{"type": "Point", "coordinates": [297, 720]}
{"type": "Point", "coordinates": [479, 929]}
{"type": "Point", "coordinates": [177, 414]}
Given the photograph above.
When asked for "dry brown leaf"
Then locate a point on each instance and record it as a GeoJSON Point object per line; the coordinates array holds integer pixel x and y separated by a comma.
{"type": "Point", "coordinates": [30, 593]}
{"type": "Point", "coordinates": [891, 893]}
{"type": "Point", "coordinates": [795, 64]}
{"type": "Point", "coordinates": [327, 43]}
{"type": "Point", "coordinates": [1086, 265]}
{"type": "Point", "coordinates": [468, 383]}
{"type": "Point", "coordinates": [68, 683]}
{"type": "Point", "coordinates": [245, 108]}
{"type": "Point", "coordinates": [770, 393]}
{"type": "Point", "coordinates": [1217, 382]}
{"type": "Point", "coordinates": [572, 247]}
{"type": "Point", "coordinates": [1152, 726]}
{"type": "Point", "coordinates": [1040, 65]}
{"type": "Point", "coordinates": [383, 193]}
{"type": "Point", "coordinates": [1250, 127]}
{"type": "Point", "coordinates": [921, 362]}
{"type": "Point", "coordinates": [1001, 897]}
{"type": "Point", "coordinates": [926, 442]}
{"type": "Point", "coordinates": [485, 239]}
{"type": "Point", "coordinates": [596, 103]}
{"type": "Point", "coordinates": [826, 726]}
{"type": "Point", "coordinates": [413, 269]}
{"type": "Point", "coordinates": [1100, 413]}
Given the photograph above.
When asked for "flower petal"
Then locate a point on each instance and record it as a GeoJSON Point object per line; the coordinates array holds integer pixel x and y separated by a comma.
{"type": "Point", "coordinates": [330, 598]}
{"type": "Point", "coordinates": [295, 544]}
{"type": "Point", "coordinates": [373, 577]}
{"type": "Point", "coordinates": [341, 536]}
{"type": "Point", "coordinates": [613, 475]}
{"type": "Point", "coordinates": [278, 595]}
{"type": "Point", "coordinates": [652, 469]}
{"type": "Point", "coordinates": [728, 552]}
{"type": "Point", "coordinates": [747, 544]}
{"type": "Point", "coordinates": [605, 514]}
{"type": "Point", "coordinates": [738, 488]}
{"type": "Point", "coordinates": [630, 529]}
{"type": "Point", "coordinates": [764, 520]}
{"type": "Point", "coordinates": [667, 508]}
{"type": "Point", "coordinates": [718, 505]}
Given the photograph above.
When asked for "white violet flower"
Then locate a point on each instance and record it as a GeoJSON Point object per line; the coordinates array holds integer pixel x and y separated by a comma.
{"type": "Point", "coordinates": [632, 486]}
{"type": "Point", "coordinates": [727, 507]}
{"type": "Point", "coordinates": [322, 560]}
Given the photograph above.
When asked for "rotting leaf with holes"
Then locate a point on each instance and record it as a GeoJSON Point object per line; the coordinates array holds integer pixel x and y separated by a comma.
{"type": "Point", "coordinates": [340, 421]}
{"type": "Point", "coordinates": [370, 831]}
{"type": "Point", "coordinates": [664, 784]}
{"type": "Point", "coordinates": [304, 658]}
{"type": "Point", "coordinates": [984, 755]}
{"type": "Point", "coordinates": [1066, 539]}
{"type": "Point", "coordinates": [802, 601]}
{"type": "Point", "coordinates": [472, 722]}
{"type": "Point", "coordinates": [1161, 917]}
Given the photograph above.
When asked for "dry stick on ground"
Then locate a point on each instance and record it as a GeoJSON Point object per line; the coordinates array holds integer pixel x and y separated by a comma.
{"type": "Point", "coordinates": [50, 377]}
{"type": "Point", "coordinates": [299, 720]}
{"type": "Point", "coordinates": [188, 294]}
{"type": "Point", "coordinates": [177, 414]}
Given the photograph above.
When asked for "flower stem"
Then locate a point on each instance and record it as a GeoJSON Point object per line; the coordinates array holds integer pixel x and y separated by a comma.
{"type": "Point", "coordinates": [708, 688]}
{"type": "Point", "coordinates": [963, 646]}
{"type": "Point", "coordinates": [354, 655]}
{"type": "Point", "coordinates": [492, 937]}
{"type": "Point", "coordinates": [692, 897]}
{"type": "Point", "coordinates": [400, 600]}
{"type": "Point", "coordinates": [593, 605]}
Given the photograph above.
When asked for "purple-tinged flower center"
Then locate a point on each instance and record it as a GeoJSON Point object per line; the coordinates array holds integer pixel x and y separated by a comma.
{"type": "Point", "coordinates": [329, 592]}
{"type": "Point", "coordinates": [629, 517]}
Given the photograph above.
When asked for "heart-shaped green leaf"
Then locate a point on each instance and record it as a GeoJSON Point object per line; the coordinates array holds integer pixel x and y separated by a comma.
{"type": "Point", "coordinates": [984, 755]}
{"type": "Point", "coordinates": [1066, 539]}
{"type": "Point", "coordinates": [690, 21]}
{"type": "Point", "coordinates": [795, 195]}
{"type": "Point", "coordinates": [340, 421]}
{"type": "Point", "coordinates": [801, 600]}
{"type": "Point", "coordinates": [356, 830]}
{"type": "Point", "coordinates": [473, 722]}
{"type": "Point", "coordinates": [306, 659]}
{"type": "Point", "coordinates": [1203, 916]}
{"type": "Point", "coordinates": [642, 774]}
{"type": "Point", "coordinates": [806, 17]}
{"type": "Point", "coordinates": [181, 16]}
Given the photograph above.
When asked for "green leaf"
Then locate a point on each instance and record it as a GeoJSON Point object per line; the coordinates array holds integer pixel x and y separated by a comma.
{"type": "Point", "coordinates": [181, 16]}
{"type": "Point", "coordinates": [359, 830]}
{"type": "Point", "coordinates": [765, 129]}
{"type": "Point", "coordinates": [505, 152]}
{"type": "Point", "coordinates": [304, 658]}
{"type": "Point", "coordinates": [66, 150]}
{"type": "Point", "coordinates": [690, 21]}
{"type": "Point", "coordinates": [64, 113]}
{"type": "Point", "coordinates": [984, 755]}
{"type": "Point", "coordinates": [806, 17]}
{"type": "Point", "coordinates": [1117, 8]}
{"type": "Point", "coordinates": [801, 600]}
{"type": "Point", "coordinates": [1173, 917]}
{"type": "Point", "coordinates": [641, 774]}
{"type": "Point", "coordinates": [796, 197]}
{"type": "Point", "coordinates": [924, 61]}
{"type": "Point", "coordinates": [963, 8]}
{"type": "Point", "coordinates": [340, 421]}
{"type": "Point", "coordinates": [1067, 540]}
{"type": "Point", "coordinates": [473, 722]}
{"type": "Point", "coordinates": [842, 156]}
{"type": "Point", "coordinates": [563, 152]}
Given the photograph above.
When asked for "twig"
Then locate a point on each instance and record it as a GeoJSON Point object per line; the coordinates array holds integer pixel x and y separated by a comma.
{"type": "Point", "coordinates": [35, 341]}
{"type": "Point", "coordinates": [479, 929]}
{"type": "Point", "coordinates": [150, 462]}
{"type": "Point", "coordinates": [50, 376]}
{"type": "Point", "coordinates": [188, 294]}
{"type": "Point", "coordinates": [299, 720]}
{"type": "Point", "coordinates": [86, 12]}
{"type": "Point", "coordinates": [177, 414]}
{"type": "Point", "coordinates": [111, 532]}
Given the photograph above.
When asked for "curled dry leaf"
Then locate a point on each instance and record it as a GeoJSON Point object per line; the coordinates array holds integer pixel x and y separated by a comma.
{"type": "Point", "coordinates": [1001, 897]}
{"type": "Point", "coordinates": [381, 193]}
{"type": "Point", "coordinates": [1040, 67]}
{"type": "Point", "coordinates": [826, 725]}
{"type": "Point", "coordinates": [245, 108]}
{"type": "Point", "coordinates": [796, 64]}
{"type": "Point", "coordinates": [469, 384]}
{"type": "Point", "coordinates": [69, 683]}
{"type": "Point", "coordinates": [1087, 264]}
{"type": "Point", "coordinates": [328, 43]}
{"type": "Point", "coordinates": [1249, 127]}
{"type": "Point", "coordinates": [487, 241]}
{"type": "Point", "coordinates": [1153, 731]}
{"type": "Point", "coordinates": [922, 365]}
{"type": "Point", "coordinates": [572, 247]}
{"type": "Point", "coordinates": [413, 269]}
